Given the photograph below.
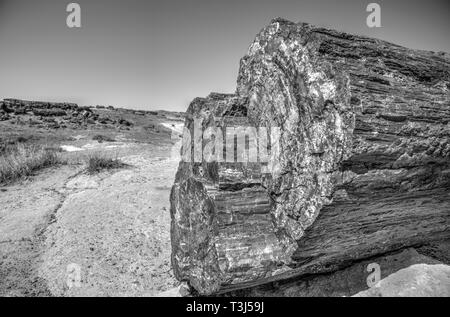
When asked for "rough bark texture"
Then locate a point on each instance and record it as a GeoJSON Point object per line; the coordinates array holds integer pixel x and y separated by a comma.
{"type": "Point", "coordinates": [364, 160]}
{"type": "Point", "coordinates": [345, 282]}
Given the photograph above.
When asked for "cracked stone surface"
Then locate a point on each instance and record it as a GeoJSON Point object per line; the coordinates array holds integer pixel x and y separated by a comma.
{"type": "Point", "coordinates": [113, 226]}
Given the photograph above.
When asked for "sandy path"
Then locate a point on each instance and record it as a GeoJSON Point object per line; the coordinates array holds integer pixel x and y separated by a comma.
{"type": "Point", "coordinates": [103, 235]}
{"type": "Point", "coordinates": [26, 209]}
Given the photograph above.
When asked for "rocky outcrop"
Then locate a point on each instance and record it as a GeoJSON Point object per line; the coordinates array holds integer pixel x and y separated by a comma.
{"type": "Point", "coordinates": [357, 132]}
{"type": "Point", "coordinates": [55, 115]}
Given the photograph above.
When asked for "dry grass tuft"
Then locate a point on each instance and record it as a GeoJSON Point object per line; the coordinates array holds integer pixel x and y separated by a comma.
{"type": "Point", "coordinates": [98, 162]}
{"type": "Point", "coordinates": [103, 138]}
{"type": "Point", "coordinates": [23, 160]}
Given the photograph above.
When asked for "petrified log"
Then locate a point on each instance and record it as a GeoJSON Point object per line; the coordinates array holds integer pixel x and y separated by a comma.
{"type": "Point", "coordinates": [345, 282]}
{"type": "Point", "coordinates": [360, 167]}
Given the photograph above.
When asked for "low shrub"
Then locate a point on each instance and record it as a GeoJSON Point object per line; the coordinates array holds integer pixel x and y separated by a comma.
{"type": "Point", "coordinates": [24, 160]}
{"type": "Point", "coordinates": [98, 162]}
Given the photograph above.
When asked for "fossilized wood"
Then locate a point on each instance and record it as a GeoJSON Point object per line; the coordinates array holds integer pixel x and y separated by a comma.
{"type": "Point", "coordinates": [365, 160]}
{"type": "Point", "coordinates": [345, 282]}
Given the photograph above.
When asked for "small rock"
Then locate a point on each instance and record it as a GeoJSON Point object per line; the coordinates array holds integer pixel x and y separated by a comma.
{"type": "Point", "coordinates": [419, 280]}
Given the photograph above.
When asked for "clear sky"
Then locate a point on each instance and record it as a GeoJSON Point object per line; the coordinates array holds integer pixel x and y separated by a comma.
{"type": "Point", "coordinates": [162, 54]}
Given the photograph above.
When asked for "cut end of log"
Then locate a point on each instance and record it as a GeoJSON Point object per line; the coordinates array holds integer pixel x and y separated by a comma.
{"type": "Point", "coordinates": [289, 86]}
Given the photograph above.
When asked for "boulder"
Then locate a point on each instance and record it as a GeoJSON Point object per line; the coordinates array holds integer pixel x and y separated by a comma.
{"type": "Point", "coordinates": [419, 280]}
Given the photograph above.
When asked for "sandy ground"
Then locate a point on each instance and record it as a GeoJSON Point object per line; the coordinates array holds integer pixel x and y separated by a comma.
{"type": "Point", "coordinates": [66, 233]}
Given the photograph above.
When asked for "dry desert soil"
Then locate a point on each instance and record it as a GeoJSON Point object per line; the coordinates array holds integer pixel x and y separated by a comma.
{"type": "Point", "coordinates": [65, 232]}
